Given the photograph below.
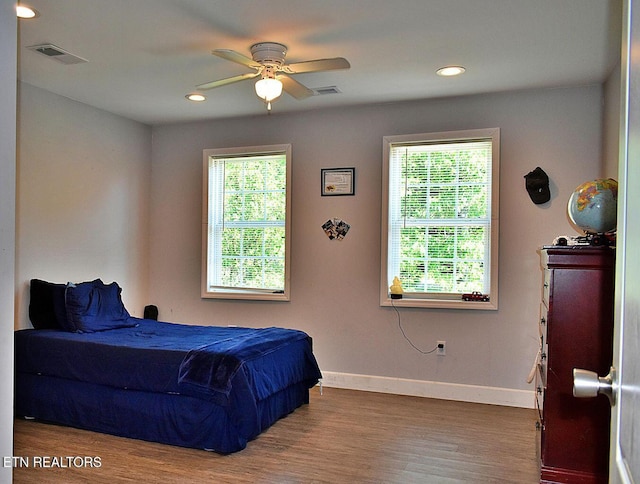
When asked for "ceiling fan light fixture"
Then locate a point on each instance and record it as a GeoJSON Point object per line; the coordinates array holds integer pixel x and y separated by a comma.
{"type": "Point", "coordinates": [268, 89]}
{"type": "Point", "coordinates": [449, 71]}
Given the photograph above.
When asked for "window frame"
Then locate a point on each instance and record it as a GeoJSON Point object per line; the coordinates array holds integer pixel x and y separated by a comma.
{"type": "Point", "coordinates": [237, 292]}
{"type": "Point", "coordinates": [441, 300]}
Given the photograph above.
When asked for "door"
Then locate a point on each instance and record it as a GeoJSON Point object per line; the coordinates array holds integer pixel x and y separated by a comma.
{"type": "Point", "coordinates": [625, 415]}
{"type": "Point", "coordinates": [622, 385]}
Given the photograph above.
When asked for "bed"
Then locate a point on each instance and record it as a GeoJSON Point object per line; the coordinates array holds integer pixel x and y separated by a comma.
{"type": "Point", "coordinates": [88, 364]}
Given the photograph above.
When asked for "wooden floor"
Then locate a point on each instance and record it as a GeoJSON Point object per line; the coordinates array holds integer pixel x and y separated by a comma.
{"type": "Point", "coordinates": [342, 436]}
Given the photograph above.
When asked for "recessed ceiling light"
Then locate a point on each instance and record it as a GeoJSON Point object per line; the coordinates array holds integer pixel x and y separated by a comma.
{"type": "Point", "coordinates": [22, 11]}
{"type": "Point", "coordinates": [196, 97]}
{"type": "Point", "coordinates": [449, 71]}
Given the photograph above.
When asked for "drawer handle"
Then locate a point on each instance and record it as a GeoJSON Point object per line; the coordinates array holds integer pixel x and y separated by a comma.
{"type": "Point", "coordinates": [543, 321]}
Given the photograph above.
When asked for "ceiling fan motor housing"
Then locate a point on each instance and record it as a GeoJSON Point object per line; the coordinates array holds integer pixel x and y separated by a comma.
{"type": "Point", "coordinates": [269, 53]}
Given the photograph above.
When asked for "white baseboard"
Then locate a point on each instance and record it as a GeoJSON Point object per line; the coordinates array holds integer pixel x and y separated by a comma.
{"type": "Point", "coordinates": [430, 389]}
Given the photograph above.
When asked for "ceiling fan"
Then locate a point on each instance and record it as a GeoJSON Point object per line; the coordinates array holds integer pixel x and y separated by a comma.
{"type": "Point", "coordinates": [268, 61]}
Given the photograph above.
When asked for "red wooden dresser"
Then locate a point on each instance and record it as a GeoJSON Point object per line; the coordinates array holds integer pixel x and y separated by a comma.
{"type": "Point", "coordinates": [576, 331]}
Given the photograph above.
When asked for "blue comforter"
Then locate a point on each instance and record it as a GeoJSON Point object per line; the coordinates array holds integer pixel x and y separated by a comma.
{"type": "Point", "coordinates": [210, 368]}
{"type": "Point", "coordinates": [221, 364]}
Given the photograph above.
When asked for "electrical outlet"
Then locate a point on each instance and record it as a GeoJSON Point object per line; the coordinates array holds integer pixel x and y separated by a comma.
{"type": "Point", "coordinates": [441, 348]}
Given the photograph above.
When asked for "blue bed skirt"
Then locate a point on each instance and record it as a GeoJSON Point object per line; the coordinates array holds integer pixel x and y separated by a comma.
{"type": "Point", "coordinates": [167, 418]}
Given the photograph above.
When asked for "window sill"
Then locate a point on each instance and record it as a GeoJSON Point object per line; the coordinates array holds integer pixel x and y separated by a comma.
{"type": "Point", "coordinates": [246, 295]}
{"type": "Point", "coordinates": [414, 302]}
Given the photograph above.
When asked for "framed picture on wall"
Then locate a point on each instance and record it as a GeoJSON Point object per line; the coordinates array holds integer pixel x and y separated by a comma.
{"type": "Point", "coordinates": [338, 181]}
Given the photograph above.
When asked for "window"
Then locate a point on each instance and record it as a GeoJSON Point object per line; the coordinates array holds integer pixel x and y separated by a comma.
{"type": "Point", "coordinates": [246, 222]}
{"type": "Point", "coordinates": [440, 218]}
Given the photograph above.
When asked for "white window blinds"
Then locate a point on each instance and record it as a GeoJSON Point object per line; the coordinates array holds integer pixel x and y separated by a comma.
{"type": "Point", "coordinates": [247, 223]}
{"type": "Point", "coordinates": [439, 218]}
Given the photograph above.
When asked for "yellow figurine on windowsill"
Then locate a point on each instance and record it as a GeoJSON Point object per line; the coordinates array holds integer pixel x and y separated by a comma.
{"type": "Point", "coordinates": [396, 289]}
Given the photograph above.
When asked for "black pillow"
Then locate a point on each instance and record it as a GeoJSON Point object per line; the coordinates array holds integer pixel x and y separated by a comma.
{"type": "Point", "coordinates": [47, 305]}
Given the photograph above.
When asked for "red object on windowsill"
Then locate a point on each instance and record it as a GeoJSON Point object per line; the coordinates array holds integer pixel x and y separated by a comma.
{"type": "Point", "coordinates": [475, 296]}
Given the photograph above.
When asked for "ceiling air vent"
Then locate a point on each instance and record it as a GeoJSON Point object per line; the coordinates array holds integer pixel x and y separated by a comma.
{"type": "Point", "coordinates": [321, 91]}
{"type": "Point", "coordinates": [56, 53]}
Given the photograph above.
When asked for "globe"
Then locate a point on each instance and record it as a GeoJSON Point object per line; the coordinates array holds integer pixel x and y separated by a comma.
{"type": "Point", "coordinates": [593, 206]}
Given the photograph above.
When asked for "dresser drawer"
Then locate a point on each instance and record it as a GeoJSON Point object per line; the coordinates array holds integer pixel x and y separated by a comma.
{"type": "Point", "coordinates": [546, 284]}
{"type": "Point", "coordinates": [540, 398]}
{"type": "Point", "coordinates": [542, 368]}
{"type": "Point", "coordinates": [543, 324]}
{"type": "Point", "coordinates": [544, 348]}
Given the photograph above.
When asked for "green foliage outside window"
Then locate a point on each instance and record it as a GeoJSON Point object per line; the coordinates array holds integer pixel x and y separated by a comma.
{"type": "Point", "coordinates": [253, 223]}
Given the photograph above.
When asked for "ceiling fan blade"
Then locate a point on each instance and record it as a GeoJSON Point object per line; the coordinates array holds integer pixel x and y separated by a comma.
{"type": "Point", "coordinates": [317, 65]}
{"type": "Point", "coordinates": [228, 80]}
{"type": "Point", "coordinates": [294, 88]}
{"type": "Point", "coordinates": [234, 56]}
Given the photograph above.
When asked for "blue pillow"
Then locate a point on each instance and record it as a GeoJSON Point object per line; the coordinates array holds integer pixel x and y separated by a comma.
{"type": "Point", "coordinates": [95, 306]}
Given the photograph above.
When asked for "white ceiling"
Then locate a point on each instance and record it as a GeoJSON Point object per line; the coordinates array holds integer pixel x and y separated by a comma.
{"type": "Point", "coordinates": [146, 55]}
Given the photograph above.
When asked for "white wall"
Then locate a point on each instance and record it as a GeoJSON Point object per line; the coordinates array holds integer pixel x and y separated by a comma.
{"type": "Point", "coordinates": [8, 49]}
{"type": "Point", "coordinates": [83, 197]}
{"type": "Point", "coordinates": [335, 284]}
{"type": "Point", "coordinates": [611, 135]}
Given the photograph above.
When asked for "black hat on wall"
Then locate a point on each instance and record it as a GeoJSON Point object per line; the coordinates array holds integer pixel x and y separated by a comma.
{"type": "Point", "coordinates": [537, 184]}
